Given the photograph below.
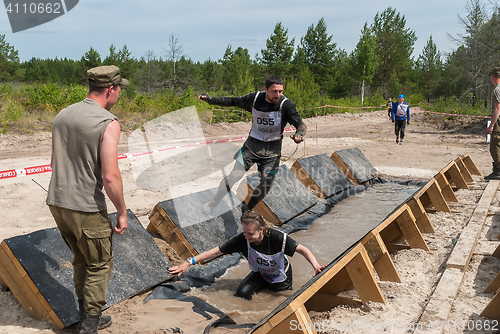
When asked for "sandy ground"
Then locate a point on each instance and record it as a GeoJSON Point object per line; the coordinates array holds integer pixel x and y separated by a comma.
{"type": "Point", "coordinates": [431, 143]}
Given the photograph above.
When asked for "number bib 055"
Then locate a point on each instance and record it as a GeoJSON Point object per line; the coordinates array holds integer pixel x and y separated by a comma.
{"type": "Point", "coordinates": [266, 126]}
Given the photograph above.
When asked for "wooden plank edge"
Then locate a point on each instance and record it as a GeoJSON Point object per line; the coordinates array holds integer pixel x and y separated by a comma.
{"type": "Point", "coordinates": [343, 168]}
{"type": "Point", "coordinates": [24, 289]}
{"type": "Point", "coordinates": [306, 179]}
{"type": "Point", "coordinates": [441, 301]}
{"type": "Point", "coordinates": [471, 166]}
{"type": "Point", "coordinates": [464, 248]}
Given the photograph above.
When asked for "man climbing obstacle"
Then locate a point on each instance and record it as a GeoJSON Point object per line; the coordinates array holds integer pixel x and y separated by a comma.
{"type": "Point", "coordinates": [271, 111]}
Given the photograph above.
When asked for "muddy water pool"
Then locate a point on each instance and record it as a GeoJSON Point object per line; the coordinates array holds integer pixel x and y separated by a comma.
{"type": "Point", "coordinates": [328, 237]}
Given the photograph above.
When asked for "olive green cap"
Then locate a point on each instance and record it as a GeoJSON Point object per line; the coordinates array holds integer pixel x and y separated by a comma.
{"type": "Point", "coordinates": [106, 76]}
{"type": "Point", "coordinates": [494, 70]}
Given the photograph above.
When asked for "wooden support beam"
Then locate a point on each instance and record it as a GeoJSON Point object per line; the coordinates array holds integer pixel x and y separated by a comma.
{"type": "Point", "coordinates": [457, 177]}
{"type": "Point", "coordinates": [392, 234]}
{"type": "Point", "coordinates": [2, 282]}
{"type": "Point", "coordinates": [338, 283]}
{"type": "Point", "coordinates": [297, 322]}
{"type": "Point", "coordinates": [303, 318]}
{"type": "Point", "coordinates": [152, 229]}
{"type": "Point", "coordinates": [170, 233]}
{"type": "Point", "coordinates": [361, 272]}
{"type": "Point", "coordinates": [492, 310]}
{"type": "Point", "coordinates": [496, 253]}
{"type": "Point", "coordinates": [332, 281]}
{"type": "Point", "coordinates": [421, 218]}
{"type": "Point", "coordinates": [437, 198]}
{"type": "Point", "coordinates": [306, 180]}
{"type": "Point", "coordinates": [409, 228]}
{"type": "Point", "coordinates": [463, 170]}
{"type": "Point", "coordinates": [379, 256]}
{"type": "Point", "coordinates": [494, 285]}
{"type": "Point", "coordinates": [471, 166]}
{"type": "Point", "coordinates": [343, 168]}
{"type": "Point", "coordinates": [23, 288]}
{"type": "Point", "coordinates": [441, 301]}
{"type": "Point", "coordinates": [464, 248]}
{"type": "Point", "coordinates": [446, 189]}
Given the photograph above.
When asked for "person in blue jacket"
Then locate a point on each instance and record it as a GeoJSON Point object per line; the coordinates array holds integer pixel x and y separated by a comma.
{"type": "Point", "coordinates": [400, 117]}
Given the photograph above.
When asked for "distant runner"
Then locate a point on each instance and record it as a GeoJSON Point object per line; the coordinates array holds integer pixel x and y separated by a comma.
{"type": "Point", "coordinates": [401, 117]}
{"type": "Point", "coordinates": [389, 108]}
{"type": "Point", "coordinates": [271, 111]}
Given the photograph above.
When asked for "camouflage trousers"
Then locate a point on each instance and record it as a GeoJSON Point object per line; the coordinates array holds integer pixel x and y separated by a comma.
{"type": "Point", "coordinates": [495, 144]}
{"type": "Point", "coordinates": [88, 235]}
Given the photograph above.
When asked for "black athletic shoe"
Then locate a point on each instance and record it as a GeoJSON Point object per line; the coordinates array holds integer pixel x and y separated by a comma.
{"type": "Point", "coordinates": [493, 176]}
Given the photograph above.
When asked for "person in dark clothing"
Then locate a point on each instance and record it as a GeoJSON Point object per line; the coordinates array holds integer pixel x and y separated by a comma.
{"type": "Point", "coordinates": [389, 108]}
{"type": "Point", "coordinates": [401, 117]}
{"type": "Point", "coordinates": [267, 252]}
{"type": "Point", "coordinates": [271, 111]}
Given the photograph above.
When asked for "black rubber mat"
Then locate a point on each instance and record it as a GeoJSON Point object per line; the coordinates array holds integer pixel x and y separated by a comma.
{"type": "Point", "coordinates": [288, 197]}
{"type": "Point", "coordinates": [325, 174]}
{"type": "Point", "coordinates": [138, 265]}
{"type": "Point", "coordinates": [358, 164]}
{"type": "Point", "coordinates": [204, 231]}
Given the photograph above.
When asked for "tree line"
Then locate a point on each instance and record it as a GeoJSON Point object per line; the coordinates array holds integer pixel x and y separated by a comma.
{"type": "Point", "coordinates": [315, 70]}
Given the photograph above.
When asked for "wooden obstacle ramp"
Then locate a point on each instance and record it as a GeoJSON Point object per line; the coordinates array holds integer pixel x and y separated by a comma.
{"type": "Point", "coordinates": [471, 166]}
{"type": "Point", "coordinates": [492, 310]}
{"type": "Point", "coordinates": [353, 163]}
{"type": "Point", "coordinates": [287, 198]}
{"type": "Point", "coordinates": [403, 228]}
{"type": "Point", "coordinates": [442, 298]}
{"type": "Point", "coordinates": [452, 177]}
{"type": "Point", "coordinates": [494, 285]}
{"type": "Point", "coordinates": [181, 222]}
{"type": "Point", "coordinates": [37, 269]}
{"type": "Point", "coordinates": [431, 197]}
{"type": "Point", "coordinates": [320, 174]}
{"type": "Point", "coordinates": [355, 268]}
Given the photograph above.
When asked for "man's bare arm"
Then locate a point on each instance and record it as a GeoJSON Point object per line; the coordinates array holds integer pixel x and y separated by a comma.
{"type": "Point", "coordinates": [112, 178]}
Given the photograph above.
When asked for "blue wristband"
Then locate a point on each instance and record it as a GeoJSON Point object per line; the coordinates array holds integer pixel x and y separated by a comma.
{"type": "Point", "coordinates": [191, 261]}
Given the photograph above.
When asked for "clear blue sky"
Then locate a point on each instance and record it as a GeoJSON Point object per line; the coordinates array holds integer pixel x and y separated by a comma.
{"type": "Point", "coordinates": [206, 28]}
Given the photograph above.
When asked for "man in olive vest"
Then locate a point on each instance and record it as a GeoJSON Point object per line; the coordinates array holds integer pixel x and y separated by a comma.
{"type": "Point", "coordinates": [85, 139]}
{"type": "Point", "coordinates": [494, 128]}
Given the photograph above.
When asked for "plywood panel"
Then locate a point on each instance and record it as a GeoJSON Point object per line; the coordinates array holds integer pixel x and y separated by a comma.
{"type": "Point", "coordinates": [360, 167]}
{"type": "Point", "coordinates": [287, 198]}
{"type": "Point", "coordinates": [42, 275]}
{"type": "Point", "coordinates": [320, 174]}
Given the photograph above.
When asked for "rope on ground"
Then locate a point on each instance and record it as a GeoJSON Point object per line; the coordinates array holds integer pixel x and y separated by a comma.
{"type": "Point", "coordinates": [296, 147]}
